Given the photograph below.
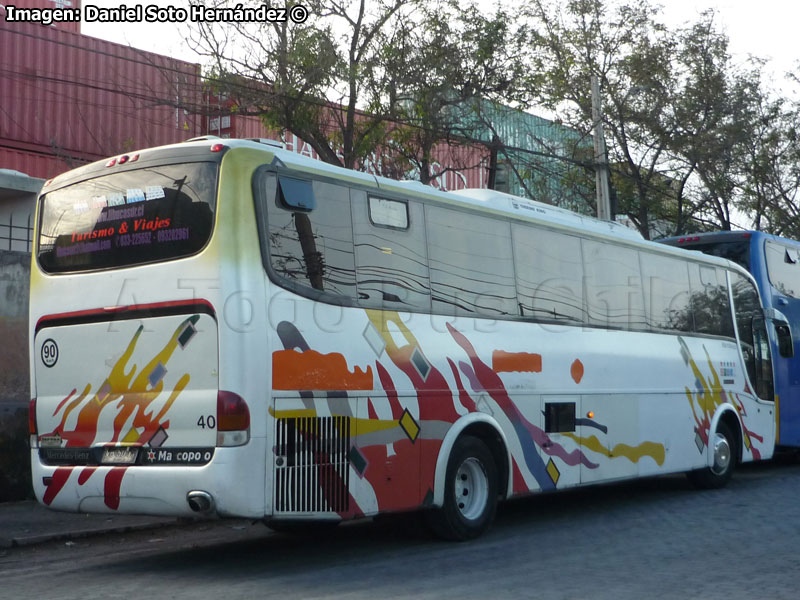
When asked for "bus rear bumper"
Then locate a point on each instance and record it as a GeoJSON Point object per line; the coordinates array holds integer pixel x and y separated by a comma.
{"type": "Point", "coordinates": [233, 490]}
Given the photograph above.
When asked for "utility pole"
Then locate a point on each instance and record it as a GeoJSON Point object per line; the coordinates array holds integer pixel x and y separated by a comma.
{"type": "Point", "coordinates": [600, 164]}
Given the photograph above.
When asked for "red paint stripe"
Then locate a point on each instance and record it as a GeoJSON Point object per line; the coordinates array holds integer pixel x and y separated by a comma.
{"type": "Point", "coordinates": [85, 474]}
{"type": "Point", "coordinates": [58, 482]}
{"type": "Point", "coordinates": [113, 484]}
{"type": "Point", "coordinates": [121, 310]}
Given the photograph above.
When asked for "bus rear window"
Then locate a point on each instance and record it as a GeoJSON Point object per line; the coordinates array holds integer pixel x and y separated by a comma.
{"type": "Point", "coordinates": [738, 252]}
{"type": "Point", "coordinates": [128, 218]}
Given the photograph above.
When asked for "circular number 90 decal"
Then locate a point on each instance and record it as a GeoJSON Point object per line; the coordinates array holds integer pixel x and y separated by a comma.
{"type": "Point", "coordinates": [49, 353]}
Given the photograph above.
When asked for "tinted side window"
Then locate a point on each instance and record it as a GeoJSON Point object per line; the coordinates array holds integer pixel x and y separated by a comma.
{"type": "Point", "coordinates": [666, 292]}
{"type": "Point", "coordinates": [392, 263]}
{"type": "Point", "coordinates": [313, 248]}
{"type": "Point", "coordinates": [613, 286]}
{"type": "Point", "coordinates": [549, 274]}
{"type": "Point", "coordinates": [471, 264]}
{"type": "Point", "coordinates": [710, 303]}
{"type": "Point", "coordinates": [752, 335]}
{"type": "Point", "coordinates": [783, 267]}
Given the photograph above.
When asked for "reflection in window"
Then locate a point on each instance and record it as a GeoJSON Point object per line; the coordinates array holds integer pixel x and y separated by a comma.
{"type": "Point", "coordinates": [613, 286]}
{"type": "Point", "coordinates": [549, 274]}
{"type": "Point", "coordinates": [711, 306]}
{"type": "Point", "coordinates": [314, 248]}
{"type": "Point", "coordinates": [752, 335]}
{"type": "Point", "coordinates": [471, 264]}
{"type": "Point", "coordinates": [783, 268]}
{"type": "Point", "coordinates": [391, 264]}
{"type": "Point", "coordinates": [127, 218]}
{"type": "Point", "coordinates": [666, 291]}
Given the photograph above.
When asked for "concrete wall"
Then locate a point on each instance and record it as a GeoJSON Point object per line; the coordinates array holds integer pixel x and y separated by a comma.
{"type": "Point", "coordinates": [14, 376]}
{"type": "Point", "coordinates": [15, 275]}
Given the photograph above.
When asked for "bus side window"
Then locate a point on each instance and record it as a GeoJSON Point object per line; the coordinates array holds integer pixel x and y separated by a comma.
{"type": "Point", "coordinates": [471, 264]}
{"type": "Point", "coordinates": [549, 272]}
{"type": "Point", "coordinates": [391, 256]}
{"type": "Point", "coordinates": [752, 336]}
{"type": "Point", "coordinates": [710, 303]}
{"type": "Point", "coordinates": [666, 292]}
{"type": "Point", "coordinates": [783, 268]}
{"type": "Point", "coordinates": [763, 360]}
{"type": "Point", "coordinates": [312, 244]}
{"type": "Point", "coordinates": [613, 286]}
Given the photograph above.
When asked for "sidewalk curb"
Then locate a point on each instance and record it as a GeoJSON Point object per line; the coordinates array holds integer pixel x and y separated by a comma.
{"type": "Point", "coordinates": [32, 540]}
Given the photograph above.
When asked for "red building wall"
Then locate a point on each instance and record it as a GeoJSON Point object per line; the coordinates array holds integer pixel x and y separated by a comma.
{"type": "Point", "coordinates": [76, 98]}
{"type": "Point", "coordinates": [73, 26]}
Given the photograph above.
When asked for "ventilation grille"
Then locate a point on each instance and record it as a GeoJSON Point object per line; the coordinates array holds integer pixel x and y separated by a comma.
{"type": "Point", "coordinates": [312, 467]}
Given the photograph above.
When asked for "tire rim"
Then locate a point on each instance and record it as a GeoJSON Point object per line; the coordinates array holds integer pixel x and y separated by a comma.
{"type": "Point", "coordinates": [722, 454]}
{"type": "Point", "coordinates": [471, 489]}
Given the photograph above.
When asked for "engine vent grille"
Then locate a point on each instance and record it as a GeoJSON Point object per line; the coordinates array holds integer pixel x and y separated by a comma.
{"type": "Point", "coordinates": [312, 466]}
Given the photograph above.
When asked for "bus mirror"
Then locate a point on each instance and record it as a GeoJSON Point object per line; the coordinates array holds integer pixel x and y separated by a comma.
{"type": "Point", "coordinates": [785, 344]}
{"type": "Point", "coordinates": [783, 332]}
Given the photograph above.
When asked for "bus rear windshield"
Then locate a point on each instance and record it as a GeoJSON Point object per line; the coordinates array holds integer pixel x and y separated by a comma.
{"type": "Point", "coordinates": [737, 251]}
{"type": "Point", "coordinates": [133, 217]}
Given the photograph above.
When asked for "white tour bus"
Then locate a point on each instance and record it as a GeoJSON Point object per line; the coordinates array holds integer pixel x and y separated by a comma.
{"type": "Point", "coordinates": [226, 327]}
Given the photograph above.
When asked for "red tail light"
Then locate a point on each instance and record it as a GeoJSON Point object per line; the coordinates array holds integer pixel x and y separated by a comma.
{"type": "Point", "coordinates": [217, 147]}
{"type": "Point", "coordinates": [32, 429]}
{"type": "Point", "coordinates": [233, 420]}
{"type": "Point", "coordinates": [32, 417]}
{"type": "Point", "coordinates": [232, 412]}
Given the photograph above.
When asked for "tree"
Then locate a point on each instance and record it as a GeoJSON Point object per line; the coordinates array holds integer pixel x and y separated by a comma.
{"type": "Point", "coordinates": [676, 111]}
{"type": "Point", "coordinates": [317, 79]}
{"type": "Point", "coordinates": [441, 69]}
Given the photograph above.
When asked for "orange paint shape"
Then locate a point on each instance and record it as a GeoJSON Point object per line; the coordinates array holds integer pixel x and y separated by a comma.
{"type": "Point", "coordinates": [576, 370]}
{"type": "Point", "coordinates": [310, 370]}
{"type": "Point", "coordinates": [507, 362]}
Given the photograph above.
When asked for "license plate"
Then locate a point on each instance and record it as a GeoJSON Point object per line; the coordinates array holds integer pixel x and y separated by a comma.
{"type": "Point", "coordinates": [119, 456]}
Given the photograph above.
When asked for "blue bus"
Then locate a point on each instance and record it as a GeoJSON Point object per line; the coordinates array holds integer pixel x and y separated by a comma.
{"type": "Point", "coordinates": [774, 263]}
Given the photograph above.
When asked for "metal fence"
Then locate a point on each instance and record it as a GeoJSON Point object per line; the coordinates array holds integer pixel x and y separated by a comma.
{"type": "Point", "coordinates": [16, 234]}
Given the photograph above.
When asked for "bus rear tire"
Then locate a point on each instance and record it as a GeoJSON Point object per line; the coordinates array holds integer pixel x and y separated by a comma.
{"type": "Point", "coordinates": [725, 451]}
{"type": "Point", "coordinates": [470, 492]}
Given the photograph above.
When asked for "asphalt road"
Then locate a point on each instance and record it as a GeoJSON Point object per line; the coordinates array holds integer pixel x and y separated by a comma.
{"type": "Point", "coordinates": [656, 538]}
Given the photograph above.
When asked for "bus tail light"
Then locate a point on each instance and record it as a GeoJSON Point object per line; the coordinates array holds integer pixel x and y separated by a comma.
{"type": "Point", "coordinates": [233, 420]}
{"type": "Point", "coordinates": [32, 429]}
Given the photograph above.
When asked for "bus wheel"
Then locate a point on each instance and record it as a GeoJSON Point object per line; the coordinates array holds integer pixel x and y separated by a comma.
{"type": "Point", "coordinates": [470, 492]}
{"type": "Point", "coordinates": [723, 445]}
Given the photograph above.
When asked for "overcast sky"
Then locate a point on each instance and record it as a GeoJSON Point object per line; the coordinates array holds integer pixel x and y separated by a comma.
{"type": "Point", "coordinates": [765, 28]}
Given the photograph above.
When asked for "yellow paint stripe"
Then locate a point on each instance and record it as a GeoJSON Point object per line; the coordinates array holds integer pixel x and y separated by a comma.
{"type": "Point", "coordinates": [632, 453]}
{"type": "Point", "coordinates": [362, 426]}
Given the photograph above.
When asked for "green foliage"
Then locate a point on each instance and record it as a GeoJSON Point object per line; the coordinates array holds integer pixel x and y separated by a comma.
{"type": "Point", "coordinates": [694, 140]}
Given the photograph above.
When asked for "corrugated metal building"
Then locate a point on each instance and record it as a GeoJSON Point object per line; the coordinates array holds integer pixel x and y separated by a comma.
{"type": "Point", "coordinates": [68, 7]}
{"type": "Point", "coordinates": [538, 158]}
{"type": "Point", "coordinates": [70, 98]}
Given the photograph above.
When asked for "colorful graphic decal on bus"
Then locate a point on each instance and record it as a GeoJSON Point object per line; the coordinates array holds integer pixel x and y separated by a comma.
{"type": "Point", "coordinates": [707, 397]}
{"type": "Point", "coordinates": [310, 370]}
{"type": "Point", "coordinates": [403, 438]}
{"type": "Point", "coordinates": [130, 394]}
